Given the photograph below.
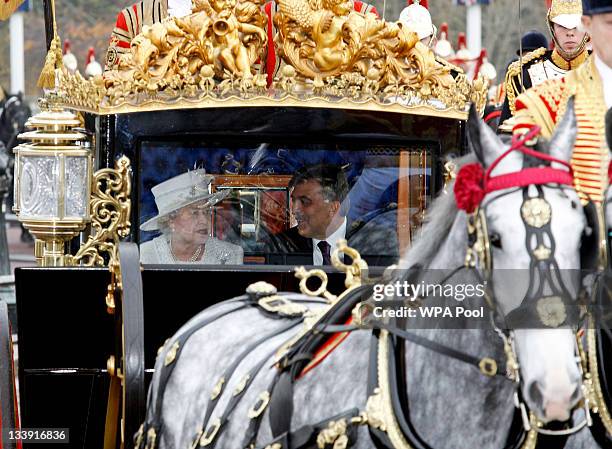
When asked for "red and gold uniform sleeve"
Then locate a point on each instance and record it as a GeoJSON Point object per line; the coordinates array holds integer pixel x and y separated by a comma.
{"type": "Point", "coordinates": [129, 23]}
{"type": "Point", "coordinates": [541, 106]}
{"type": "Point", "coordinates": [545, 106]}
{"type": "Point", "coordinates": [126, 27]}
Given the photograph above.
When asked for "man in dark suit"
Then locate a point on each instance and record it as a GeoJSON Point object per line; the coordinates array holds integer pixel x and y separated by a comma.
{"type": "Point", "coordinates": [319, 204]}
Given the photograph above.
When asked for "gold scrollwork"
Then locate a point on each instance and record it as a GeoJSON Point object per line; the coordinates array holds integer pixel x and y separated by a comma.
{"type": "Point", "coordinates": [333, 56]}
{"type": "Point", "coordinates": [334, 434]}
{"type": "Point", "coordinates": [110, 207]}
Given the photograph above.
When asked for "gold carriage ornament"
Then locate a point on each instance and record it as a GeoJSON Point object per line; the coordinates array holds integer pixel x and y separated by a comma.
{"type": "Point", "coordinates": [331, 56]}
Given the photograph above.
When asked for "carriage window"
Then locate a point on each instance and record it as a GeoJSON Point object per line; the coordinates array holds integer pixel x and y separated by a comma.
{"type": "Point", "coordinates": [278, 204]}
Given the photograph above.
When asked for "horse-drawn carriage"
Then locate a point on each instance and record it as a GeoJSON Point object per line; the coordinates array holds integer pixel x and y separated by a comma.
{"type": "Point", "coordinates": [187, 98]}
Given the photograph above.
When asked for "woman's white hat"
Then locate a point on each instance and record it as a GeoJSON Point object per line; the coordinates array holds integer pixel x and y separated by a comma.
{"type": "Point", "coordinates": [180, 191]}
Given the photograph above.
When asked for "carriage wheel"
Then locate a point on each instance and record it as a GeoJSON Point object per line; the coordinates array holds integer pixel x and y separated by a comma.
{"type": "Point", "coordinates": [9, 418]}
{"type": "Point", "coordinates": [127, 391]}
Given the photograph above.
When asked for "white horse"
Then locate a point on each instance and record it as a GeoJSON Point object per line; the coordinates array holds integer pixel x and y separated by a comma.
{"type": "Point", "coordinates": [216, 383]}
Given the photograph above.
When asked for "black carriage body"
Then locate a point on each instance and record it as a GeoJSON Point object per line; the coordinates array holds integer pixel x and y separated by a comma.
{"type": "Point", "coordinates": [65, 332]}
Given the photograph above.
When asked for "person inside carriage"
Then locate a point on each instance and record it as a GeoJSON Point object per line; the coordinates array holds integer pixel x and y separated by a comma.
{"type": "Point", "coordinates": [184, 220]}
{"type": "Point", "coordinates": [319, 204]}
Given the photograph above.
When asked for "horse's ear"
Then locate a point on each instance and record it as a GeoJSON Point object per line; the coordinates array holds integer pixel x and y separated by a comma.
{"type": "Point", "coordinates": [609, 128]}
{"type": "Point", "coordinates": [483, 141]}
{"type": "Point", "coordinates": [473, 134]}
{"type": "Point", "coordinates": [563, 140]}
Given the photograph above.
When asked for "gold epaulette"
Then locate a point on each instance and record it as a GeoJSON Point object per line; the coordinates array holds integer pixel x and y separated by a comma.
{"type": "Point", "coordinates": [515, 70]}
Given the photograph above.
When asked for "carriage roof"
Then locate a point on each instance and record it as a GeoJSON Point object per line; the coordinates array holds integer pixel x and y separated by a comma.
{"type": "Point", "coordinates": [372, 65]}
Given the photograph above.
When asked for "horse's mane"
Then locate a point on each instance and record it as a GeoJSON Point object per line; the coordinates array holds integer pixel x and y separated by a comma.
{"type": "Point", "coordinates": [439, 219]}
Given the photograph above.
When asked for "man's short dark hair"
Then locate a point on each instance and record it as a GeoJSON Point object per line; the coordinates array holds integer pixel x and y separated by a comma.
{"type": "Point", "coordinates": [331, 177]}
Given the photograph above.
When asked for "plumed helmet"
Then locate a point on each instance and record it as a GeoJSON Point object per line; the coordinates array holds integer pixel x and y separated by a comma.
{"type": "Point", "coordinates": [593, 7]}
{"type": "Point", "coordinates": [462, 51]}
{"type": "Point", "coordinates": [443, 47]}
{"type": "Point", "coordinates": [416, 18]}
{"type": "Point", "coordinates": [532, 40]}
{"type": "Point", "coordinates": [566, 13]}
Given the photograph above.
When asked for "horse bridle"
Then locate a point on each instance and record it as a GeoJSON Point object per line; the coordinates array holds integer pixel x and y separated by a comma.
{"type": "Point", "coordinates": [544, 269]}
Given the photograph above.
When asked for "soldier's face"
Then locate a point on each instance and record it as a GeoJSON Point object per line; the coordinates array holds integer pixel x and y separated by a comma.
{"type": "Point", "coordinates": [569, 40]}
{"type": "Point", "coordinates": [599, 28]}
{"type": "Point", "coordinates": [312, 211]}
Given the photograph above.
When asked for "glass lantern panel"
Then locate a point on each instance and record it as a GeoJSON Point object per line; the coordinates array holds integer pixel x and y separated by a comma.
{"type": "Point", "coordinates": [76, 201]}
{"type": "Point", "coordinates": [39, 195]}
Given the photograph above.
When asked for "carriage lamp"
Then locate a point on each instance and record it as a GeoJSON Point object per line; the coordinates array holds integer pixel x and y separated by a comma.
{"type": "Point", "coordinates": [53, 172]}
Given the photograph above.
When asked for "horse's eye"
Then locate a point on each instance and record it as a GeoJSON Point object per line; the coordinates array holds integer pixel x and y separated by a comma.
{"type": "Point", "coordinates": [495, 240]}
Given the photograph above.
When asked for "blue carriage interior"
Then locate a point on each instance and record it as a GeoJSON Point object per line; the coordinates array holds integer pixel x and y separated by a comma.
{"type": "Point", "coordinates": [252, 212]}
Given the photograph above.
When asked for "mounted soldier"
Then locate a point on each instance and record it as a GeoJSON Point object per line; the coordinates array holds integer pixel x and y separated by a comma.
{"type": "Point", "coordinates": [591, 84]}
{"type": "Point", "coordinates": [539, 65]}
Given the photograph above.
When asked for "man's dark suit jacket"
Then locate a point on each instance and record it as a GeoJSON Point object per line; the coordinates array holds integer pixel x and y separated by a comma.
{"type": "Point", "coordinates": [378, 245]}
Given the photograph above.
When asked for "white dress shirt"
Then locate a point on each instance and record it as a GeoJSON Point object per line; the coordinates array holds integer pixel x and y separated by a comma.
{"type": "Point", "coordinates": [340, 233]}
{"type": "Point", "coordinates": [179, 8]}
{"type": "Point", "coordinates": [605, 72]}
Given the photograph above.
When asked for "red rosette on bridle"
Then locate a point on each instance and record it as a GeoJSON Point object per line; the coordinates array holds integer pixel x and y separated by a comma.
{"type": "Point", "coordinates": [469, 187]}
{"type": "Point", "coordinates": [610, 173]}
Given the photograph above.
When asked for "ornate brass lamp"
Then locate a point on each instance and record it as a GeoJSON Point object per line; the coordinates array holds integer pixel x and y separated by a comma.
{"type": "Point", "coordinates": [53, 183]}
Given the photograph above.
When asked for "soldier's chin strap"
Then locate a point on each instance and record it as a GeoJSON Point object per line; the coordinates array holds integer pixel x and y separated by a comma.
{"type": "Point", "coordinates": [568, 56]}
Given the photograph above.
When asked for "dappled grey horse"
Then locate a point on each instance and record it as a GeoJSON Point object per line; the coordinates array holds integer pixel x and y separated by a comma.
{"type": "Point", "coordinates": [222, 382]}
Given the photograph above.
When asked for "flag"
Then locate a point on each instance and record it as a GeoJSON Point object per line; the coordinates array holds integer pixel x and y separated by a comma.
{"type": "Point", "coordinates": [8, 7]}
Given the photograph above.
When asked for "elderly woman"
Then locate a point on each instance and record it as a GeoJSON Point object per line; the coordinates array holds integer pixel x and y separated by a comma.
{"type": "Point", "coordinates": [184, 203]}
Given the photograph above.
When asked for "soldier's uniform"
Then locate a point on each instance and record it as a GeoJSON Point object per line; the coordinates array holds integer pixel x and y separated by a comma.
{"type": "Point", "coordinates": [129, 24]}
{"type": "Point", "coordinates": [541, 64]}
{"type": "Point", "coordinates": [544, 105]}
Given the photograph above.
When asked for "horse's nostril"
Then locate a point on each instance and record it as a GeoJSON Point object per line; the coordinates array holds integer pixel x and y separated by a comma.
{"type": "Point", "coordinates": [535, 393]}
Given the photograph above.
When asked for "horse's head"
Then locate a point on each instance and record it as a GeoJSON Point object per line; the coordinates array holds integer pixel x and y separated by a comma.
{"type": "Point", "coordinates": [530, 224]}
